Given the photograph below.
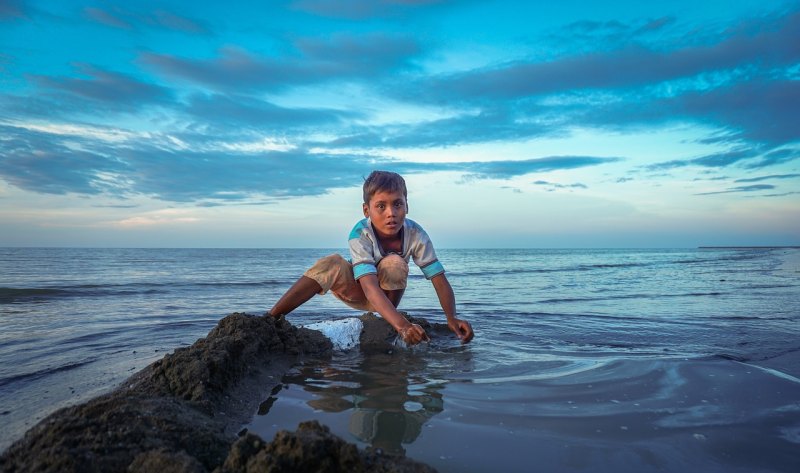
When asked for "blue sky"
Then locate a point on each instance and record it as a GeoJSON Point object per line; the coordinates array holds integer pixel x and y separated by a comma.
{"type": "Point", "coordinates": [515, 123]}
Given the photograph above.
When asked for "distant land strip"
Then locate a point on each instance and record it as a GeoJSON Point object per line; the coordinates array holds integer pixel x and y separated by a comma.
{"type": "Point", "coordinates": [747, 247]}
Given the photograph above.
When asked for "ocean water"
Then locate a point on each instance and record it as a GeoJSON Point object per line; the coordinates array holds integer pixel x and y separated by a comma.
{"type": "Point", "coordinates": [583, 360]}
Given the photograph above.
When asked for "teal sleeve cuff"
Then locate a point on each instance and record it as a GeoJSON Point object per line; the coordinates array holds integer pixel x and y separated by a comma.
{"type": "Point", "coordinates": [432, 269]}
{"type": "Point", "coordinates": [363, 269]}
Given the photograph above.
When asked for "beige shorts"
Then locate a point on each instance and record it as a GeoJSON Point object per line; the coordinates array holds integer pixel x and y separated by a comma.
{"type": "Point", "coordinates": [334, 273]}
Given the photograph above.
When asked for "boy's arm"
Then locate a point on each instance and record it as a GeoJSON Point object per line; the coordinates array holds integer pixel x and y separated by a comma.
{"type": "Point", "coordinates": [447, 299]}
{"type": "Point", "coordinates": [411, 333]}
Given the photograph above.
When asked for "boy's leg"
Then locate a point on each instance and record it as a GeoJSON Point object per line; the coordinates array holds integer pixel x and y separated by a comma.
{"type": "Point", "coordinates": [300, 292]}
{"type": "Point", "coordinates": [326, 274]}
{"type": "Point", "coordinates": [334, 273]}
{"type": "Point", "coordinates": [392, 277]}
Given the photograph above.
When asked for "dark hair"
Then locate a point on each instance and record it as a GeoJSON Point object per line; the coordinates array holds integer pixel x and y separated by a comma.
{"type": "Point", "coordinates": [383, 181]}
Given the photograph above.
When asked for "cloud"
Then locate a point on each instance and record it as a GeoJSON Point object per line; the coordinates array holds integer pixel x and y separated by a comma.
{"type": "Point", "coordinates": [714, 160]}
{"type": "Point", "coordinates": [360, 9]}
{"type": "Point", "coordinates": [158, 217]}
{"type": "Point", "coordinates": [588, 34]}
{"type": "Point", "coordinates": [163, 19]}
{"type": "Point", "coordinates": [174, 22]}
{"type": "Point", "coordinates": [554, 186]}
{"type": "Point", "coordinates": [739, 82]}
{"type": "Point", "coordinates": [751, 188]}
{"type": "Point", "coordinates": [486, 125]}
{"type": "Point", "coordinates": [508, 168]}
{"type": "Point", "coordinates": [112, 88]}
{"type": "Point", "coordinates": [762, 110]}
{"type": "Point", "coordinates": [774, 45]}
{"type": "Point", "coordinates": [41, 161]}
{"type": "Point", "coordinates": [765, 178]}
{"type": "Point", "coordinates": [777, 156]}
{"type": "Point", "coordinates": [236, 111]}
{"type": "Point", "coordinates": [751, 157]}
{"type": "Point", "coordinates": [34, 161]}
{"type": "Point", "coordinates": [341, 57]}
{"type": "Point", "coordinates": [13, 9]}
{"type": "Point", "coordinates": [102, 16]}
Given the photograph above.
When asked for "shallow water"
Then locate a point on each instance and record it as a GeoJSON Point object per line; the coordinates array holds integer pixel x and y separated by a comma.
{"type": "Point", "coordinates": [623, 360]}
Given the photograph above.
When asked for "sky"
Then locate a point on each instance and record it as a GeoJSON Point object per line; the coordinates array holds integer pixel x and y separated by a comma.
{"type": "Point", "coordinates": [515, 123]}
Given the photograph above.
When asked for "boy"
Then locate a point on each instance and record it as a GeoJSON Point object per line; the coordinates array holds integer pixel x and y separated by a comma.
{"type": "Point", "coordinates": [380, 247]}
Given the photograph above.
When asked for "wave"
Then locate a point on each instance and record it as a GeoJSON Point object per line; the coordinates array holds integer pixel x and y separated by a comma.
{"type": "Point", "coordinates": [569, 269]}
{"type": "Point", "coordinates": [10, 295]}
{"type": "Point", "coordinates": [629, 296]}
{"type": "Point", "coordinates": [44, 372]}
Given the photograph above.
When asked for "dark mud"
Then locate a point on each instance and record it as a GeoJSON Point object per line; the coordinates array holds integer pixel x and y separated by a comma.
{"type": "Point", "coordinates": [180, 414]}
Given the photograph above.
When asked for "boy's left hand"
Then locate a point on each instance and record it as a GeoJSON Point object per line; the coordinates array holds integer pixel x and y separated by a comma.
{"type": "Point", "coordinates": [461, 328]}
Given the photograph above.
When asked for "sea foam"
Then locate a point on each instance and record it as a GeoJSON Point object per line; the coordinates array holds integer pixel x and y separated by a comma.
{"type": "Point", "coordinates": [343, 333]}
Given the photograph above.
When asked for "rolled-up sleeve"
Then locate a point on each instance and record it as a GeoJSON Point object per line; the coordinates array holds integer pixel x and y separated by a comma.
{"type": "Point", "coordinates": [424, 255]}
{"type": "Point", "coordinates": [361, 252]}
{"type": "Point", "coordinates": [432, 269]}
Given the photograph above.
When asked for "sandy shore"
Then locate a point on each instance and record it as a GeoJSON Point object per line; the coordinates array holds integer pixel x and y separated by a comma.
{"type": "Point", "coordinates": [182, 413]}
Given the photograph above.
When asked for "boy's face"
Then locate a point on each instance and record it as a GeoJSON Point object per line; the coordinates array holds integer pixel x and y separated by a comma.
{"type": "Point", "coordinates": [387, 212]}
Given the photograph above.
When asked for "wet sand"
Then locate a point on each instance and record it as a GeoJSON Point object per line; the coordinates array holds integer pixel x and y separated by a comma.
{"type": "Point", "coordinates": [183, 412]}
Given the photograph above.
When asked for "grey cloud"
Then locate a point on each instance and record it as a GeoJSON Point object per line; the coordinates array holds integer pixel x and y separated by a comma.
{"type": "Point", "coordinates": [369, 53]}
{"type": "Point", "coordinates": [360, 9]}
{"type": "Point", "coordinates": [13, 9]}
{"type": "Point", "coordinates": [35, 162]}
{"type": "Point", "coordinates": [589, 34]}
{"type": "Point", "coordinates": [777, 156]}
{"type": "Point", "coordinates": [49, 163]}
{"type": "Point", "coordinates": [485, 126]}
{"type": "Point", "coordinates": [776, 44]}
{"type": "Point", "coordinates": [175, 22]}
{"type": "Point", "coordinates": [102, 16]}
{"type": "Point", "coordinates": [232, 110]}
{"type": "Point", "coordinates": [52, 164]}
{"type": "Point", "coordinates": [712, 160]}
{"type": "Point", "coordinates": [656, 24]}
{"type": "Point", "coordinates": [239, 176]}
{"type": "Point", "coordinates": [752, 188]}
{"type": "Point", "coordinates": [762, 110]}
{"type": "Point", "coordinates": [107, 86]}
{"type": "Point", "coordinates": [343, 57]}
{"type": "Point", "coordinates": [782, 194]}
{"type": "Point", "coordinates": [766, 178]}
{"type": "Point", "coordinates": [128, 20]}
{"type": "Point", "coordinates": [509, 168]}
{"type": "Point", "coordinates": [554, 186]}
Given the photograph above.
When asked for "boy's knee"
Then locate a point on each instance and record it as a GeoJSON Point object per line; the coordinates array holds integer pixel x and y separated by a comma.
{"type": "Point", "coordinates": [328, 270]}
{"type": "Point", "coordinates": [332, 261]}
{"type": "Point", "coordinates": [392, 273]}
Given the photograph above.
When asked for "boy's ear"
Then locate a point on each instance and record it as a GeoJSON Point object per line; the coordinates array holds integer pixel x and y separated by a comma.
{"type": "Point", "coordinates": [365, 208]}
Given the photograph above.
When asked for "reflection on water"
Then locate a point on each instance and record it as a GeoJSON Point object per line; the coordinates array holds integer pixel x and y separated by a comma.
{"type": "Point", "coordinates": [386, 395]}
{"type": "Point", "coordinates": [382, 399]}
{"type": "Point", "coordinates": [622, 415]}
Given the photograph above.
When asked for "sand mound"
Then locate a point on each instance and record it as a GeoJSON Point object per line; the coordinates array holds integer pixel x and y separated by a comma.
{"type": "Point", "coordinates": [179, 413]}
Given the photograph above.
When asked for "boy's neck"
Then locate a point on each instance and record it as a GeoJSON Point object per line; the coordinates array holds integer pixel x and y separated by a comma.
{"type": "Point", "coordinates": [392, 243]}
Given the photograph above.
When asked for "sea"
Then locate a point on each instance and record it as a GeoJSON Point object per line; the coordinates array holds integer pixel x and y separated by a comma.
{"type": "Point", "coordinates": [583, 359]}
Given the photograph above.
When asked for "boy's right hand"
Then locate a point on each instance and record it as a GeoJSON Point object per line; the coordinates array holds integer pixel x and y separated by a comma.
{"type": "Point", "coordinates": [413, 334]}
